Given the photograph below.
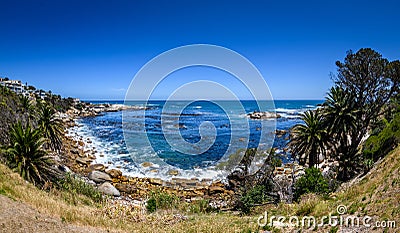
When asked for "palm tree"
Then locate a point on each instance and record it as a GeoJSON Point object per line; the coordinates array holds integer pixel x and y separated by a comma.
{"type": "Point", "coordinates": [27, 156]}
{"type": "Point", "coordinates": [341, 116]}
{"type": "Point", "coordinates": [340, 112]}
{"type": "Point", "coordinates": [309, 139]}
{"type": "Point", "coordinates": [51, 126]}
{"type": "Point", "coordinates": [27, 107]}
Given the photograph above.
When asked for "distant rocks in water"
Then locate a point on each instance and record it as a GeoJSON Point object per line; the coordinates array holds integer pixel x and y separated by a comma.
{"type": "Point", "coordinates": [117, 107]}
{"type": "Point", "coordinates": [173, 172]}
{"type": "Point", "coordinates": [147, 164]}
{"type": "Point", "coordinates": [108, 189]}
{"type": "Point", "coordinates": [263, 115]}
{"type": "Point", "coordinates": [99, 177]}
{"type": "Point", "coordinates": [180, 126]}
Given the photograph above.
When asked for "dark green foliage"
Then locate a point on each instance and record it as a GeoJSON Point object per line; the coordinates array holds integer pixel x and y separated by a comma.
{"type": "Point", "coordinates": [51, 126]}
{"type": "Point", "coordinates": [311, 182]}
{"type": "Point", "coordinates": [161, 200]}
{"type": "Point", "coordinates": [10, 112]}
{"type": "Point", "coordinates": [201, 206]}
{"type": "Point", "coordinates": [58, 103]}
{"type": "Point", "coordinates": [15, 107]}
{"type": "Point", "coordinates": [252, 197]}
{"type": "Point", "coordinates": [27, 157]}
{"type": "Point", "coordinates": [75, 185]}
{"type": "Point", "coordinates": [364, 85]}
{"type": "Point", "coordinates": [276, 162]}
{"type": "Point", "coordinates": [151, 205]}
{"type": "Point", "coordinates": [379, 145]}
{"type": "Point", "coordinates": [340, 114]}
{"type": "Point", "coordinates": [333, 229]}
{"type": "Point", "coordinates": [309, 139]}
{"type": "Point", "coordinates": [28, 144]}
{"type": "Point", "coordinates": [370, 81]}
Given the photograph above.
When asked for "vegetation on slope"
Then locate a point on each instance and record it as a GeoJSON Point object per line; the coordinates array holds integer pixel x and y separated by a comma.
{"type": "Point", "coordinates": [366, 86]}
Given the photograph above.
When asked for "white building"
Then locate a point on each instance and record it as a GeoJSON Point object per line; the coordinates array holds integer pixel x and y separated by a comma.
{"type": "Point", "coordinates": [18, 87]}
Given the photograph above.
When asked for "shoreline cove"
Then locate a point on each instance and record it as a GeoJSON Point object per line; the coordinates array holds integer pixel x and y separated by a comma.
{"type": "Point", "coordinates": [84, 155]}
{"type": "Point", "coordinates": [103, 135]}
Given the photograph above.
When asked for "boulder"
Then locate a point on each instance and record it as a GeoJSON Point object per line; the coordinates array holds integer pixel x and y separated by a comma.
{"type": "Point", "coordinates": [108, 189]}
{"type": "Point", "coordinates": [155, 181]}
{"type": "Point", "coordinates": [99, 177]}
{"type": "Point", "coordinates": [97, 167]}
{"type": "Point", "coordinates": [126, 188]}
{"type": "Point", "coordinates": [215, 189]}
{"type": "Point", "coordinates": [84, 161]}
{"type": "Point", "coordinates": [114, 173]}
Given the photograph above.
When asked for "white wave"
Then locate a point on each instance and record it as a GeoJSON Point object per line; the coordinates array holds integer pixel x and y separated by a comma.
{"type": "Point", "coordinates": [286, 110]}
{"type": "Point", "coordinates": [290, 116]}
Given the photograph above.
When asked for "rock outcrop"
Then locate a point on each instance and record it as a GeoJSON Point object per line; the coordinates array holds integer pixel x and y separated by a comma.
{"type": "Point", "coordinates": [108, 189]}
{"type": "Point", "coordinates": [99, 177]}
{"type": "Point", "coordinates": [263, 115]}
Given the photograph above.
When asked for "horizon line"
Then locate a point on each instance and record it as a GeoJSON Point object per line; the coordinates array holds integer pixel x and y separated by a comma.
{"type": "Point", "coordinates": [141, 100]}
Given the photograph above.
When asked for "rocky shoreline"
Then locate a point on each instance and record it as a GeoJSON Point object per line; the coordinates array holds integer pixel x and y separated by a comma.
{"type": "Point", "coordinates": [111, 181]}
{"type": "Point", "coordinates": [77, 158]}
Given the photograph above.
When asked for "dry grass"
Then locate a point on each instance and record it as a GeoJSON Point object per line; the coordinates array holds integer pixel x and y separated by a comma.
{"type": "Point", "coordinates": [82, 212]}
{"type": "Point", "coordinates": [376, 194]}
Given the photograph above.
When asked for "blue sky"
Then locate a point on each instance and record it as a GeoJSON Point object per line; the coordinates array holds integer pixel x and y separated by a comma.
{"type": "Point", "coordinates": [93, 49]}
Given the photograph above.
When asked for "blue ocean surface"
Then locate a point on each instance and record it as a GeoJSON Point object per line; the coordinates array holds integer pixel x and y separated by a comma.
{"type": "Point", "coordinates": [128, 138]}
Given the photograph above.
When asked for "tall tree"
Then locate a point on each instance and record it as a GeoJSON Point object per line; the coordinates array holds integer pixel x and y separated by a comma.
{"type": "Point", "coordinates": [27, 108]}
{"type": "Point", "coordinates": [373, 80]}
{"type": "Point", "coordinates": [51, 126]}
{"type": "Point", "coordinates": [341, 121]}
{"type": "Point", "coordinates": [310, 139]}
{"type": "Point", "coordinates": [365, 83]}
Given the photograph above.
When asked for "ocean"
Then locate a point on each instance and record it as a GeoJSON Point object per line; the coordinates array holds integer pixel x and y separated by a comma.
{"type": "Point", "coordinates": [188, 138]}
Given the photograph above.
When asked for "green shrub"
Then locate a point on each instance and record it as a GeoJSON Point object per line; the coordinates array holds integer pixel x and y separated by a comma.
{"type": "Point", "coordinates": [76, 185]}
{"type": "Point", "coordinates": [151, 205]}
{"type": "Point", "coordinates": [256, 195]}
{"type": "Point", "coordinates": [381, 144]}
{"type": "Point", "coordinates": [161, 200]}
{"type": "Point", "coordinates": [311, 182]}
{"type": "Point", "coordinates": [200, 206]}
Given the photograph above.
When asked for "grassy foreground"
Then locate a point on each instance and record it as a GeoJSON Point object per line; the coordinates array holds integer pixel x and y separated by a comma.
{"type": "Point", "coordinates": [376, 194]}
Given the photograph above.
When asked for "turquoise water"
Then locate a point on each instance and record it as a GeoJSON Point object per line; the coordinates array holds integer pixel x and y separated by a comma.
{"type": "Point", "coordinates": [127, 139]}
